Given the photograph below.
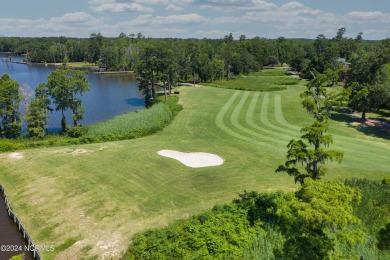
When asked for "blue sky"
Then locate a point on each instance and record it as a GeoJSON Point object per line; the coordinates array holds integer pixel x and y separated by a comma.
{"type": "Point", "coordinates": [196, 18]}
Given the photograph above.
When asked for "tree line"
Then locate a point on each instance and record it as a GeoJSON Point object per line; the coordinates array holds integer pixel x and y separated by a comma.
{"type": "Point", "coordinates": [174, 60]}
{"type": "Point", "coordinates": [208, 58]}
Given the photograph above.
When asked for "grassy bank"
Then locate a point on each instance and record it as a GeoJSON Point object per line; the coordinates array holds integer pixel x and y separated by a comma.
{"type": "Point", "coordinates": [101, 194]}
{"type": "Point", "coordinates": [127, 126]}
{"type": "Point", "coordinates": [135, 124]}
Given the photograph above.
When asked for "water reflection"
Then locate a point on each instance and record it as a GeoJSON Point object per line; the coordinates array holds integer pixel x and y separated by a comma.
{"type": "Point", "coordinates": [109, 95]}
{"type": "Point", "coordinates": [10, 237]}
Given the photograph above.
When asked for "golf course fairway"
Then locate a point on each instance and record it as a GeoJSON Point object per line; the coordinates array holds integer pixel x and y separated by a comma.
{"type": "Point", "coordinates": [88, 200]}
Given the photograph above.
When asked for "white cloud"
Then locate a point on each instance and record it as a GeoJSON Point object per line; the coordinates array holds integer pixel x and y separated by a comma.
{"type": "Point", "coordinates": [292, 19]}
{"type": "Point", "coordinates": [213, 34]}
{"type": "Point", "coordinates": [70, 24]}
{"type": "Point", "coordinates": [184, 19]}
{"type": "Point", "coordinates": [263, 5]}
{"type": "Point", "coordinates": [190, 18]}
{"type": "Point", "coordinates": [144, 2]}
{"type": "Point", "coordinates": [363, 17]}
{"type": "Point", "coordinates": [151, 2]}
{"type": "Point", "coordinates": [233, 5]}
{"type": "Point", "coordinates": [78, 18]}
{"type": "Point", "coordinates": [292, 5]}
{"type": "Point", "coordinates": [123, 7]}
{"type": "Point", "coordinates": [117, 6]}
{"type": "Point", "coordinates": [173, 7]}
{"type": "Point", "coordinates": [180, 19]}
{"type": "Point", "coordinates": [100, 2]}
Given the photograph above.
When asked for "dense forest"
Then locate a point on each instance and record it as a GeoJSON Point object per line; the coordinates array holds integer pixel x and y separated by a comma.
{"type": "Point", "coordinates": [209, 59]}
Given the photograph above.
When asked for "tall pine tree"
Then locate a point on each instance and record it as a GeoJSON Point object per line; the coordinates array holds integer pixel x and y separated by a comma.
{"type": "Point", "coordinates": [313, 154]}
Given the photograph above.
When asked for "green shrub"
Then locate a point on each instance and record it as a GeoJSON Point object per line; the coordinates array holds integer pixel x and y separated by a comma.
{"type": "Point", "coordinates": [384, 238]}
{"type": "Point", "coordinates": [18, 257]}
{"type": "Point", "coordinates": [374, 208]}
{"type": "Point", "coordinates": [88, 139]}
{"type": "Point", "coordinates": [220, 233]}
{"type": "Point", "coordinates": [268, 244]}
{"type": "Point", "coordinates": [7, 145]}
{"type": "Point", "coordinates": [317, 222]}
{"type": "Point", "coordinates": [76, 131]}
{"type": "Point", "coordinates": [386, 181]}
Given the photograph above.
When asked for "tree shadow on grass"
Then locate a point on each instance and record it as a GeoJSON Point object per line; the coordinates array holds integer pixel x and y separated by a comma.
{"type": "Point", "coordinates": [376, 128]}
{"type": "Point", "coordinates": [384, 115]}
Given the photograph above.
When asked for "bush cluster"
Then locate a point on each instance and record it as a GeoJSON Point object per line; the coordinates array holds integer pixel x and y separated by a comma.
{"type": "Point", "coordinates": [220, 233]}
{"type": "Point", "coordinates": [351, 221]}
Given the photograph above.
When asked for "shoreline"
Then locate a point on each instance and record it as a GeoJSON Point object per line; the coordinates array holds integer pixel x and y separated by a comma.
{"type": "Point", "coordinates": [94, 69]}
{"type": "Point", "coordinates": [115, 72]}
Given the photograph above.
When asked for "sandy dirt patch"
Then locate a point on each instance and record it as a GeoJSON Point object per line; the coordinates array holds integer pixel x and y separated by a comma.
{"type": "Point", "coordinates": [79, 151]}
{"type": "Point", "coordinates": [72, 151]}
{"type": "Point", "coordinates": [16, 156]}
{"type": "Point", "coordinates": [369, 122]}
{"type": "Point", "coordinates": [193, 160]}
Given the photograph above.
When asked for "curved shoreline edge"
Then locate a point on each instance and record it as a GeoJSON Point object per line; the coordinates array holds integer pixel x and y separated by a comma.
{"type": "Point", "coordinates": [168, 111]}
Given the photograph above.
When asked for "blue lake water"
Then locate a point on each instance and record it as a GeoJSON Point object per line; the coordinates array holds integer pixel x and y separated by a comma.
{"type": "Point", "coordinates": [109, 95]}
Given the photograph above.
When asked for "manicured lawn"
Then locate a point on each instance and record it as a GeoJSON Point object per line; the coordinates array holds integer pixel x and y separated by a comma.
{"type": "Point", "coordinates": [104, 193]}
{"type": "Point", "coordinates": [266, 80]}
{"type": "Point", "coordinates": [81, 64]}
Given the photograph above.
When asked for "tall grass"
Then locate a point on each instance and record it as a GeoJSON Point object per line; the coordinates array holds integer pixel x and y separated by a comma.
{"type": "Point", "coordinates": [127, 126]}
{"type": "Point", "coordinates": [367, 250]}
{"type": "Point", "coordinates": [133, 124]}
{"type": "Point", "coordinates": [374, 207]}
{"type": "Point", "coordinates": [267, 245]}
{"type": "Point", "coordinates": [374, 212]}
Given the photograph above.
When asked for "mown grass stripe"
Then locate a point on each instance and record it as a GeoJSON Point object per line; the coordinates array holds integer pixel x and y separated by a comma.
{"type": "Point", "coordinates": [278, 131]}
{"type": "Point", "coordinates": [344, 143]}
{"type": "Point", "coordinates": [259, 137]}
{"type": "Point", "coordinates": [280, 137]}
{"type": "Point", "coordinates": [249, 118]}
{"type": "Point", "coordinates": [219, 120]}
{"type": "Point", "coordinates": [272, 139]}
{"type": "Point", "coordinates": [345, 140]}
{"type": "Point", "coordinates": [287, 135]}
{"type": "Point", "coordinates": [279, 117]}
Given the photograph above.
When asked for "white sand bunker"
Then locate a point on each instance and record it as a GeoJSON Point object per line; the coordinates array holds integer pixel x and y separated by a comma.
{"type": "Point", "coordinates": [194, 160]}
{"type": "Point", "coordinates": [15, 156]}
